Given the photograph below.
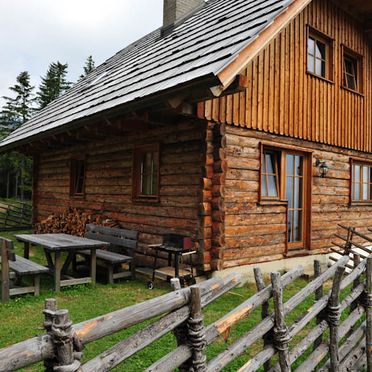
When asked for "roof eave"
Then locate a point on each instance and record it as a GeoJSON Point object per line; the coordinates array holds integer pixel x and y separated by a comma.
{"type": "Point", "coordinates": [238, 62]}
{"type": "Point", "coordinates": [203, 84]}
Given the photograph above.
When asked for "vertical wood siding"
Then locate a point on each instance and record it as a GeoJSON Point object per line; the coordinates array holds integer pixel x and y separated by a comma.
{"type": "Point", "coordinates": [283, 99]}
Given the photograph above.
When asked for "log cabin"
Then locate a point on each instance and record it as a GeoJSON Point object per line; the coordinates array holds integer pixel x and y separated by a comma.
{"type": "Point", "coordinates": [246, 125]}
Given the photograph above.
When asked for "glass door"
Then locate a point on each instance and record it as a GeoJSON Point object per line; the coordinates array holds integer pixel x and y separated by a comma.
{"type": "Point", "coordinates": [294, 193]}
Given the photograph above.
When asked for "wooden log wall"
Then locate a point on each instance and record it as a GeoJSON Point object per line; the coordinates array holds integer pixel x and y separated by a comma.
{"type": "Point", "coordinates": [109, 181]}
{"type": "Point", "coordinates": [256, 232]}
{"type": "Point", "coordinates": [284, 99]}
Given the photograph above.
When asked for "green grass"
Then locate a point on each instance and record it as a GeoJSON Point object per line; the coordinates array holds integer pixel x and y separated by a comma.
{"type": "Point", "coordinates": [22, 318]}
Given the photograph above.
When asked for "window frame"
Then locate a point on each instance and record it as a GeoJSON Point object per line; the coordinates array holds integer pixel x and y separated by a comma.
{"type": "Point", "coordinates": [278, 155]}
{"type": "Point", "coordinates": [138, 152]}
{"type": "Point", "coordinates": [328, 41]}
{"type": "Point", "coordinates": [73, 176]}
{"type": "Point", "coordinates": [359, 60]}
{"type": "Point", "coordinates": [362, 163]}
{"type": "Point", "coordinates": [305, 244]}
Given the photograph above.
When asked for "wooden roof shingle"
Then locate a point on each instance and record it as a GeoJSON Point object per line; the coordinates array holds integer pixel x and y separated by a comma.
{"type": "Point", "coordinates": [200, 46]}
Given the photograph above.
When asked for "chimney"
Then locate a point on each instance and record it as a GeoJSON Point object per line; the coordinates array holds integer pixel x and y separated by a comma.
{"type": "Point", "coordinates": [174, 10]}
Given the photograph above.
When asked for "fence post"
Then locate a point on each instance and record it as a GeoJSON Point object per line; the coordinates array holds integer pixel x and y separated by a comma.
{"type": "Point", "coordinates": [181, 331]}
{"type": "Point", "coordinates": [318, 295]}
{"type": "Point", "coordinates": [265, 311]}
{"type": "Point", "coordinates": [281, 337]}
{"type": "Point", "coordinates": [333, 318]}
{"type": "Point", "coordinates": [66, 360]}
{"type": "Point", "coordinates": [4, 270]}
{"type": "Point", "coordinates": [50, 307]}
{"type": "Point", "coordinates": [369, 313]}
{"type": "Point", "coordinates": [196, 332]}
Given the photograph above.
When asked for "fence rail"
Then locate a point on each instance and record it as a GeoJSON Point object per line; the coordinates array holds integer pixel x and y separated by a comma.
{"type": "Point", "coordinates": [332, 343]}
{"type": "Point", "coordinates": [15, 216]}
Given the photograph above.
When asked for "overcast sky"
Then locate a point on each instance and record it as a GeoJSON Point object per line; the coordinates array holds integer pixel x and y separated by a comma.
{"type": "Point", "coordinates": [34, 33]}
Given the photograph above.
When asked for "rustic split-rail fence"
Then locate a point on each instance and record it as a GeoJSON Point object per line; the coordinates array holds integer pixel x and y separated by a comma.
{"type": "Point", "coordinates": [15, 216]}
{"type": "Point", "coordinates": [338, 327]}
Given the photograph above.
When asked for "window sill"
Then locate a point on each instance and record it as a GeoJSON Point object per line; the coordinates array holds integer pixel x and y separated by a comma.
{"type": "Point", "coordinates": [77, 196]}
{"type": "Point", "coordinates": [352, 91]}
{"type": "Point", "coordinates": [320, 77]}
{"type": "Point", "coordinates": [360, 204]}
{"type": "Point", "coordinates": [146, 200]}
{"type": "Point", "coordinates": [273, 202]}
{"type": "Point", "coordinates": [298, 253]}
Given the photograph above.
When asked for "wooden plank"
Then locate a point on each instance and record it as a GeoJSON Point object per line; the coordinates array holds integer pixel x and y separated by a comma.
{"type": "Point", "coordinates": [5, 248]}
{"type": "Point", "coordinates": [75, 281]}
{"type": "Point", "coordinates": [369, 314]}
{"type": "Point", "coordinates": [123, 350]}
{"type": "Point", "coordinates": [182, 353]}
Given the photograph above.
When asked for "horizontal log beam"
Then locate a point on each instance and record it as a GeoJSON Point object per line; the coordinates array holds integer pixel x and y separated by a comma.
{"type": "Point", "coordinates": [123, 350]}
{"type": "Point", "coordinates": [36, 349]}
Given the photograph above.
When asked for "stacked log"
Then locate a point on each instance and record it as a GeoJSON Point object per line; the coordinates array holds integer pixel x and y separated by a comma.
{"type": "Point", "coordinates": [218, 193]}
{"type": "Point", "coordinates": [205, 206]}
{"type": "Point", "coordinates": [72, 222]}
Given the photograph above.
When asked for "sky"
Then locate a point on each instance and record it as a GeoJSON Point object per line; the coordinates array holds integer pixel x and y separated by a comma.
{"type": "Point", "coordinates": [34, 33]}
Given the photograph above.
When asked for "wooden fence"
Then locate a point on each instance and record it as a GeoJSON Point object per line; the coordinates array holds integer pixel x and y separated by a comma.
{"type": "Point", "coordinates": [15, 216]}
{"type": "Point", "coordinates": [330, 344]}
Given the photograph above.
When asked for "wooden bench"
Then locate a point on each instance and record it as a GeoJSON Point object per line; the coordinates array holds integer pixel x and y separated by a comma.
{"type": "Point", "coordinates": [112, 261]}
{"type": "Point", "coordinates": [13, 266]}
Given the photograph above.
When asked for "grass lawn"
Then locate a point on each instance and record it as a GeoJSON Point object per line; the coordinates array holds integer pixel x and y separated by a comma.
{"type": "Point", "coordinates": [21, 318]}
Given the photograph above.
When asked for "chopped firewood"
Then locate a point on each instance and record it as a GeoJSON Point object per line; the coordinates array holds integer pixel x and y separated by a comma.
{"type": "Point", "coordinates": [72, 222]}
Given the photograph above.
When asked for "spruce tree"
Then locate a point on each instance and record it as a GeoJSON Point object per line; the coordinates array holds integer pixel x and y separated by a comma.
{"type": "Point", "coordinates": [18, 109]}
{"type": "Point", "coordinates": [89, 67]}
{"type": "Point", "coordinates": [53, 84]}
{"type": "Point", "coordinates": [16, 168]}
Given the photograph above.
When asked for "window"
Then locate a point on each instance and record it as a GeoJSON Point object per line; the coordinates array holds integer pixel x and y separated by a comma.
{"type": "Point", "coordinates": [361, 185]}
{"type": "Point", "coordinates": [352, 71]}
{"type": "Point", "coordinates": [285, 178]}
{"type": "Point", "coordinates": [146, 173]}
{"type": "Point", "coordinates": [77, 177]}
{"type": "Point", "coordinates": [319, 55]}
{"type": "Point", "coordinates": [270, 175]}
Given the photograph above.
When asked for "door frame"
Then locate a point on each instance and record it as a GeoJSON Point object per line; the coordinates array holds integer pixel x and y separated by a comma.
{"type": "Point", "coordinates": [305, 244]}
{"type": "Point", "coordinates": [305, 248]}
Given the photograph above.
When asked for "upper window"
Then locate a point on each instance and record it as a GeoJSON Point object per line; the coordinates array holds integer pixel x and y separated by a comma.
{"type": "Point", "coordinates": [146, 172]}
{"type": "Point", "coordinates": [352, 71]}
{"type": "Point", "coordinates": [319, 55]}
{"type": "Point", "coordinates": [77, 178]}
{"type": "Point", "coordinates": [361, 182]}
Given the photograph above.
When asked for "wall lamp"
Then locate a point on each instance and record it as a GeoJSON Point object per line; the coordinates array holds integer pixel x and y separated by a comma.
{"type": "Point", "coordinates": [323, 168]}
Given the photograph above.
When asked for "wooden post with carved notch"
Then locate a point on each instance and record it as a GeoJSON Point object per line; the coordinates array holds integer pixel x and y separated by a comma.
{"type": "Point", "coordinates": [196, 332]}
{"type": "Point", "coordinates": [281, 336]}
{"type": "Point", "coordinates": [265, 310]}
{"type": "Point", "coordinates": [318, 295]}
{"type": "Point", "coordinates": [64, 344]}
{"type": "Point", "coordinates": [333, 318]}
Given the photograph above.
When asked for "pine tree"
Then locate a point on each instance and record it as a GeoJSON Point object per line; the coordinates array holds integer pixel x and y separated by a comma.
{"type": "Point", "coordinates": [54, 84]}
{"type": "Point", "coordinates": [16, 168]}
{"type": "Point", "coordinates": [89, 67]}
{"type": "Point", "coordinates": [19, 109]}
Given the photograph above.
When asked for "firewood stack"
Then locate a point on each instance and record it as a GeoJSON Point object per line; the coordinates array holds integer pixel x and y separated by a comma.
{"type": "Point", "coordinates": [71, 222]}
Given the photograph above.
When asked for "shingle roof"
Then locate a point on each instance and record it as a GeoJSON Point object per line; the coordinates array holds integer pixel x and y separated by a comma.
{"type": "Point", "coordinates": [200, 46]}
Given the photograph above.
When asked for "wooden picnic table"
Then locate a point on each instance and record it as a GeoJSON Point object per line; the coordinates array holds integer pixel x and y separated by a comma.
{"type": "Point", "coordinates": [55, 244]}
